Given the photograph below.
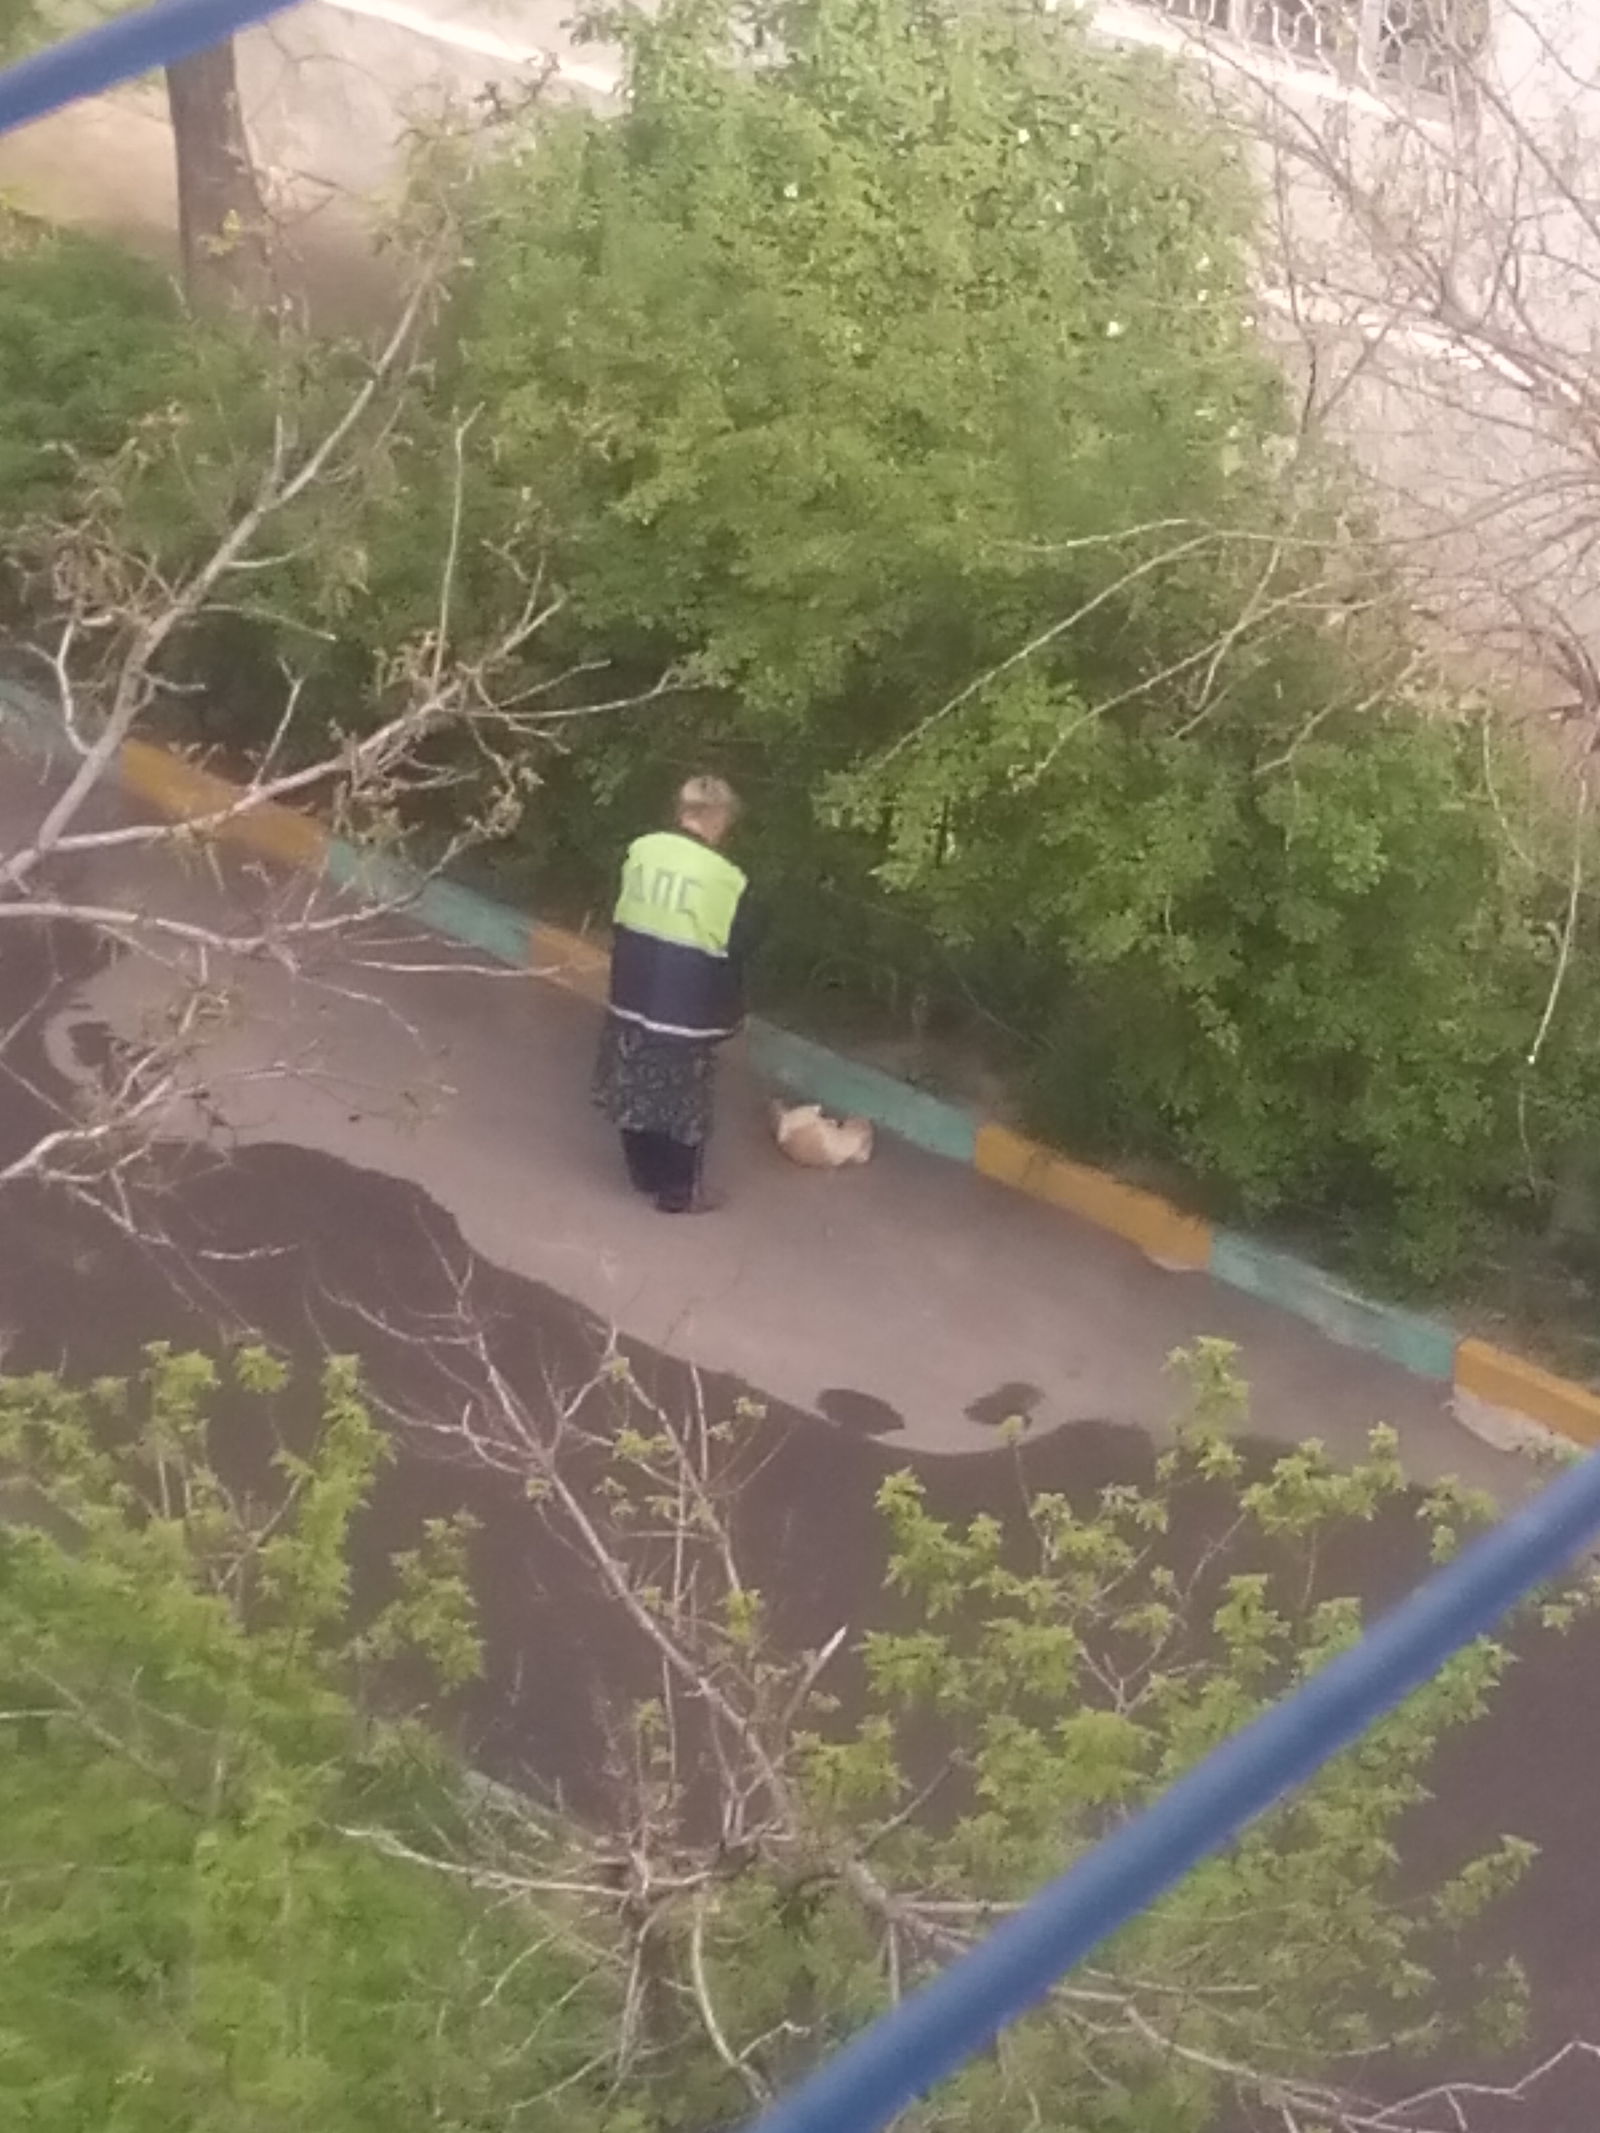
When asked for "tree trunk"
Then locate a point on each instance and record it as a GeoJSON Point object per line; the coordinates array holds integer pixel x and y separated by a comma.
{"type": "Point", "coordinates": [222, 218]}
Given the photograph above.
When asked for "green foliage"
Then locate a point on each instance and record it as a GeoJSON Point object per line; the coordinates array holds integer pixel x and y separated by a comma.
{"type": "Point", "coordinates": [797, 352]}
{"type": "Point", "coordinates": [136, 441]}
{"type": "Point", "coordinates": [189, 1938]}
{"type": "Point", "coordinates": [1035, 1680]}
{"type": "Point", "coordinates": [1314, 987]}
{"type": "Point", "coordinates": [133, 436]}
{"type": "Point", "coordinates": [800, 362]}
{"type": "Point", "coordinates": [92, 342]}
{"type": "Point", "coordinates": [1076, 1679]}
{"type": "Point", "coordinates": [900, 387]}
{"type": "Point", "coordinates": [247, 1885]}
{"type": "Point", "coordinates": [18, 22]}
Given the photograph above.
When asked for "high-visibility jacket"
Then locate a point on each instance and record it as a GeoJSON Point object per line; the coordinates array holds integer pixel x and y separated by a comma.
{"type": "Point", "coordinates": [675, 957]}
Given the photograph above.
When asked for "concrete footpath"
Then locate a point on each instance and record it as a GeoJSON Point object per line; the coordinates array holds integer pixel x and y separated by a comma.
{"type": "Point", "coordinates": [913, 1297]}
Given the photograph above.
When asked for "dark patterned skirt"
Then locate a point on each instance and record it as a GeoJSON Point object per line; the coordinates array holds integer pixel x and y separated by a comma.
{"type": "Point", "coordinates": [649, 1084]}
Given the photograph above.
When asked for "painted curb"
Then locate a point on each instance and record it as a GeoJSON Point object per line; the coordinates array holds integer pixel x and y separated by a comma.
{"type": "Point", "coordinates": [1421, 1345]}
{"type": "Point", "coordinates": [483, 924]}
{"type": "Point", "coordinates": [1178, 1242]}
{"type": "Point", "coordinates": [442, 906]}
{"type": "Point", "coordinates": [185, 792]}
{"type": "Point", "coordinates": [379, 877]}
{"type": "Point", "coordinates": [1501, 1428]}
{"type": "Point", "coordinates": [571, 960]}
{"type": "Point", "coordinates": [1497, 1380]}
{"type": "Point", "coordinates": [1495, 1395]}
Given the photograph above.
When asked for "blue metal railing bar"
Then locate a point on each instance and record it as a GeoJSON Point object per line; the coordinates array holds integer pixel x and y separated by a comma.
{"type": "Point", "coordinates": [905, 2052]}
{"type": "Point", "coordinates": [118, 51]}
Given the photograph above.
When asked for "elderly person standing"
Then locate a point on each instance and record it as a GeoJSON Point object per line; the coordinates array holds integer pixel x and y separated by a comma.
{"type": "Point", "coordinates": [681, 929]}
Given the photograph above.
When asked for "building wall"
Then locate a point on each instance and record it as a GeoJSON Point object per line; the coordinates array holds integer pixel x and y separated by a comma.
{"type": "Point", "coordinates": [1432, 272]}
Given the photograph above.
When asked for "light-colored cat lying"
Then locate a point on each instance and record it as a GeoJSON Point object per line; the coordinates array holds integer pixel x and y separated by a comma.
{"type": "Point", "coordinates": [809, 1137]}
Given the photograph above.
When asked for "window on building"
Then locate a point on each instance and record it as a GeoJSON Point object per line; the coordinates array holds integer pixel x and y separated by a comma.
{"type": "Point", "coordinates": [1323, 33]}
{"type": "Point", "coordinates": [1425, 43]}
{"type": "Point", "coordinates": [1210, 14]}
{"type": "Point", "coordinates": [1414, 44]}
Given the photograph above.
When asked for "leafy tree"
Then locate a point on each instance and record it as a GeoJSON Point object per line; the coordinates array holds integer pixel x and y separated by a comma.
{"type": "Point", "coordinates": [1028, 1680]}
{"type": "Point", "coordinates": [247, 1883]}
{"type": "Point", "coordinates": [91, 345]}
{"type": "Point", "coordinates": [145, 429]}
{"type": "Point", "coordinates": [804, 354]}
{"type": "Point", "coordinates": [900, 384]}
{"type": "Point", "coordinates": [189, 1939]}
{"type": "Point", "coordinates": [1312, 987]}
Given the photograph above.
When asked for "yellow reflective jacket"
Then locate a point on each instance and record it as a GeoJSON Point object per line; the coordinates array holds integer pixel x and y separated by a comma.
{"type": "Point", "coordinates": [675, 959]}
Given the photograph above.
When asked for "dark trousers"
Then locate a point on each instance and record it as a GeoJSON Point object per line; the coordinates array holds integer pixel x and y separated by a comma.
{"type": "Point", "coordinates": [665, 1170]}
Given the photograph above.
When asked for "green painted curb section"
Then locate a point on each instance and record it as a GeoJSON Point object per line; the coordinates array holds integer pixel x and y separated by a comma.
{"type": "Point", "coordinates": [1420, 1345]}
{"type": "Point", "coordinates": [466, 916]}
{"type": "Point", "coordinates": [854, 1091]}
{"type": "Point", "coordinates": [375, 875]}
{"type": "Point", "coordinates": [443, 906]}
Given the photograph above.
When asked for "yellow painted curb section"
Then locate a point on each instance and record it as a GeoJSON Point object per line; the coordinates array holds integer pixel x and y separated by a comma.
{"type": "Point", "coordinates": [568, 959]}
{"type": "Point", "coordinates": [179, 788]}
{"type": "Point", "coordinates": [1144, 1218]}
{"type": "Point", "coordinates": [1503, 1380]}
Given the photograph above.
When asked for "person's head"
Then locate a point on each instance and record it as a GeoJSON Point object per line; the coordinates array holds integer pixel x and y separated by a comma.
{"type": "Point", "coordinates": [707, 808]}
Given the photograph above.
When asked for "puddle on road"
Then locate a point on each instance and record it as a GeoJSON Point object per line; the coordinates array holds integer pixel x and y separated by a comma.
{"type": "Point", "coordinates": [863, 1412]}
{"type": "Point", "coordinates": [1016, 1400]}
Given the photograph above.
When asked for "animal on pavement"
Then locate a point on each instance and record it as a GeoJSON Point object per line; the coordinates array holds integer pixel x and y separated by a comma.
{"type": "Point", "coordinates": [808, 1136]}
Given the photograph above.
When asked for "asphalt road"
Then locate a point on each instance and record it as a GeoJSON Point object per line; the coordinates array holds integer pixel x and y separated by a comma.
{"type": "Point", "coordinates": [307, 1248]}
{"type": "Point", "coordinates": [913, 1295]}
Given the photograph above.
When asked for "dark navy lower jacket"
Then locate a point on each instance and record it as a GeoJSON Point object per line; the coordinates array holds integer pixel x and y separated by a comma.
{"type": "Point", "coordinates": [677, 991]}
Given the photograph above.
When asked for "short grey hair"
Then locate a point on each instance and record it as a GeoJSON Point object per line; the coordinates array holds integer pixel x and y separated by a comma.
{"type": "Point", "coordinates": [707, 799]}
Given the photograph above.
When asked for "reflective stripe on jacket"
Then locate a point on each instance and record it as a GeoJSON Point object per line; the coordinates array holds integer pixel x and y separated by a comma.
{"type": "Point", "coordinates": [672, 966]}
